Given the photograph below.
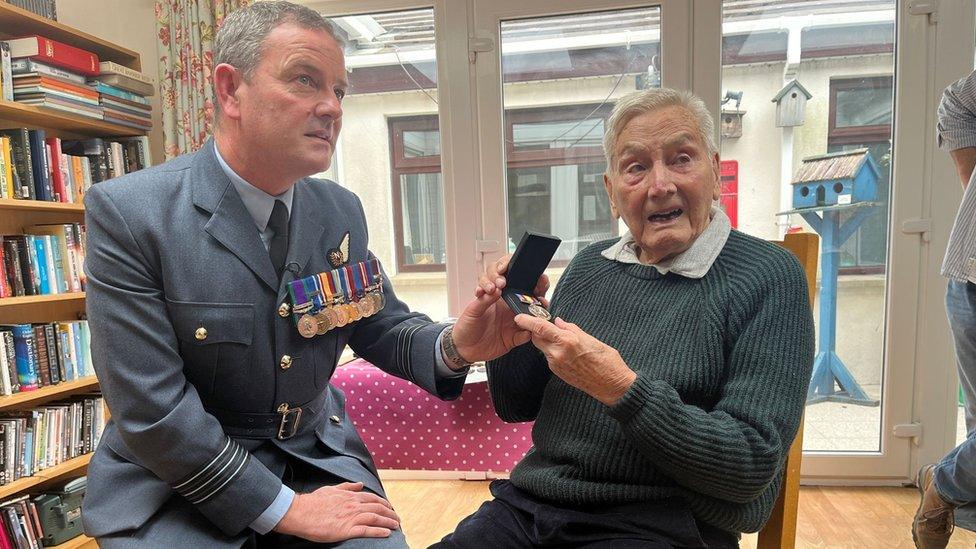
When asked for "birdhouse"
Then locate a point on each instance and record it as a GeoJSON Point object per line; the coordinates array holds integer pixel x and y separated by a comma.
{"type": "Point", "coordinates": [836, 179]}
{"type": "Point", "coordinates": [791, 105]}
{"type": "Point", "coordinates": [732, 123]}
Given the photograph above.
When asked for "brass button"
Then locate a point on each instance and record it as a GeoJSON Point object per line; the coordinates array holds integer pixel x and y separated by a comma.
{"type": "Point", "coordinates": [335, 419]}
{"type": "Point", "coordinates": [201, 333]}
{"type": "Point", "coordinates": [285, 362]}
{"type": "Point", "coordinates": [283, 310]}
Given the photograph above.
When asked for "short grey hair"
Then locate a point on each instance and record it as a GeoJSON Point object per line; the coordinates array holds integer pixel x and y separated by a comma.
{"type": "Point", "coordinates": [644, 101]}
{"type": "Point", "coordinates": [241, 36]}
{"type": "Point", "coordinates": [240, 39]}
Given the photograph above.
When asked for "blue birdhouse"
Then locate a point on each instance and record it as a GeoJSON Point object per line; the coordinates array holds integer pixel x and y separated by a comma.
{"type": "Point", "coordinates": [836, 179]}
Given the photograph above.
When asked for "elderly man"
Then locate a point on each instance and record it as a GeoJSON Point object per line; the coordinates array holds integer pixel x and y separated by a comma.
{"type": "Point", "coordinates": [668, 390]}
{"type": "Point", "coordinates": [225, 431]}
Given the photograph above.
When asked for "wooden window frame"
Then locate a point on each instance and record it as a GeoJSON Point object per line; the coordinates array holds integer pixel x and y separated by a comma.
{"type": "Point", "coordinates": [403, 165]}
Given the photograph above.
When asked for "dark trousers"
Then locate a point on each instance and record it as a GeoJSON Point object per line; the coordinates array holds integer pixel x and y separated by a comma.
{"type": "Point", "coordinates": [515, 519]}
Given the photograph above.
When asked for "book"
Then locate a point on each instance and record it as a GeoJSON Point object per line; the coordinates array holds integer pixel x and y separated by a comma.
{"type": "Point", "coordinates": [6, 73]}
{"type": "Point", "coordinates": [27, 66]}
{"type": "Point", "coordinates": [54, 364]}
{"type": "Point", "coordinates": [4, 371]}
{"type": "Point", "coordinates": [5, 290]}
{"type": "Point", "coordinates": [11, 263]}
{"type": "Point", "coordinates": [25, 347]}
{"type": "Point", "coordinates": [111, 67]}
{"type": "Point", "coordinates": [128, 84]}
{"type": "Point", "coordinates": [31, 80]}
{"type": "Point", "coordinates": [28, 265]}
{"type": "Point", "coordinates": [43, 361]}
{"type": "Point", "coordinates": [57, 170]}
{"type": "Point", "coordinates": [11, 373]}
{"type": "Point", "coordinates": [55, 53]}
{"type": "Point", "coordinates": [23, 166]}
{"type": "Point", "coordinates": [7, 175]}
{"type": "Point", "coordinates": [62, 105]}
{"type": "Point", "coordinates": [42, 185]}
{"type": "Point", "coordinates": [39, 264]}
{"type": "Point", "coordinates": [105, 89]}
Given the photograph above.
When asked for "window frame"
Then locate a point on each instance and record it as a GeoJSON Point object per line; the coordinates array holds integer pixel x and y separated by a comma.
{"type": "Point", "coordinates": [400, 165]}
{"type": "Point", "coordinates": [848, 135]}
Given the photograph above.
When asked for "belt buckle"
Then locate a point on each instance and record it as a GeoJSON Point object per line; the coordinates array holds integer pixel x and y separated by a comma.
{"type": "Point", "coordinates": [290, 418]}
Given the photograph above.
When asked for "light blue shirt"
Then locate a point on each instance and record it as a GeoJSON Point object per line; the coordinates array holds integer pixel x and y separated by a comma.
{"type": "Point", "coordinates": [259, 204]}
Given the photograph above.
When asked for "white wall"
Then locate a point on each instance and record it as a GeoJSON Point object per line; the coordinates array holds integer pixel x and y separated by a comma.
{"type": "Point", "coordinates": [128, 23]}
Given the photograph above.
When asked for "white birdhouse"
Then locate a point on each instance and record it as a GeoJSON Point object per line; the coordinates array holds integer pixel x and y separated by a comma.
{"type": "Point", "coordinates": [791, 104]}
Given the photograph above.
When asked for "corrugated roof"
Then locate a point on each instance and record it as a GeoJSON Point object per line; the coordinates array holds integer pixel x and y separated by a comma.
{"type": "Point", "coordinates": [839, 165]}
{"type": "Point", "coordinates": [415, 28]}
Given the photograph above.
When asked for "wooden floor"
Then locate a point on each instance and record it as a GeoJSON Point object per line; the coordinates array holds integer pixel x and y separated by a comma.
{"type": "Point", "coordinates": [860, 518]}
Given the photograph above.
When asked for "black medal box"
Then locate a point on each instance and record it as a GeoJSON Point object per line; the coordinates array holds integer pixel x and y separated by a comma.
{"type": "Point", "coordinates": [529, 261]}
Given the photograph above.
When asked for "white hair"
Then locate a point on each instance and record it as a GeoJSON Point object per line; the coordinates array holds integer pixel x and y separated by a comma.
{"type": "Point", "coordinates": [644, 101]}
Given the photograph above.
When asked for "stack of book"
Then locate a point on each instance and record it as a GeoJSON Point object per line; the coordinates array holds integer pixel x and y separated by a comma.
{"type": "Point", "coordinates": [124, 95]}
{"type": "Point", "coordinates": [39, 355]}
{"type": "Point", "coordinates": [47, 73]}
{"type": "Point", "coordinates": [34, 166]}
{"type": "Point", "coordinates": [48, 261]}
{"type": "Point", "coordinates": [36, 439]}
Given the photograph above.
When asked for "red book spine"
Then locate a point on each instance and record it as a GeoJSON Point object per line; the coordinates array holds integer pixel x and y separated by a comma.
{"type": "Point", "coordinates": [57, 170]}
{"type": "Point", "coordinates": [65, 56]}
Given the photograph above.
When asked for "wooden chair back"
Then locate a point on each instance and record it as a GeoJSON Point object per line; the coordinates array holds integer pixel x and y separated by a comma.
{"type": "Point", "coordinates": [780, 531]}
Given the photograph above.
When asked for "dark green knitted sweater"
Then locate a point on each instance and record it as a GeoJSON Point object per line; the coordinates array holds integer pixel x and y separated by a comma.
{"type": "Point", "coordinates": [722, 364]}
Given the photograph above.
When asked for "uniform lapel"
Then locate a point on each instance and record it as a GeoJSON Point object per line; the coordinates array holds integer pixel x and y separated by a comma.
{"type": "Point", "coordinates": [230, 222]}
{"type": "Point", "coordinates": [305, 229]}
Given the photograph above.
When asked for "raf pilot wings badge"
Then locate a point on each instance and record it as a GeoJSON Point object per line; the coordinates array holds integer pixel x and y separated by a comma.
{"type": "Point", "coordinates": [340, 255]}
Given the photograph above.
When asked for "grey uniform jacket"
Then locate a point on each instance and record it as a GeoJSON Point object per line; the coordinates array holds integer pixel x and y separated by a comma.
{"type": "Point", "coordinates": [172, 249]}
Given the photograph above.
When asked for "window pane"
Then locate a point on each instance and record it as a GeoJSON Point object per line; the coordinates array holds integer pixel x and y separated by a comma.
{"type": "Point", "coordinates": [418, 143]}
{"type": "Point", "coordinates": [844, 61]}
{"type": "Point", "coordinates": [392, 71]}
{"type": "Point", "coordinates": [867, 106]}
{"type": "Point", "coordinates": [558, 135]}
{"type": "Point", "coordinates": [556, 102]}
{"type": "Point", "coordinates": [421, 201]}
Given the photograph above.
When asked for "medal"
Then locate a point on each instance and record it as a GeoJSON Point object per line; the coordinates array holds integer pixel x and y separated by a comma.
{"type": "Point", "coordinates": [341, 317]}
{"type": "Point", "coordinates": [323, 323]}
{"type": "Point", "coordinates": [307, 326]}
{"type": "Point", "coordinates": [539, 311]}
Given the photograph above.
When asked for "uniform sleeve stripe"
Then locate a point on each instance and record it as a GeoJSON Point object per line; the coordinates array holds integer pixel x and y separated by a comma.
{"type": "Point", "coordinates": [203, 470]}
{"type": "Point", "coordinates": [215, 491]}
{"type": "Point", "coordinates": [217, 475]}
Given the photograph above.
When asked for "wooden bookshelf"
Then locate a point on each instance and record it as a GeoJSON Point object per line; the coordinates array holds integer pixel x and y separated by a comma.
{"type": "Point", "coordinates": [42, 308]}
{"type": "Point", "coordinates": [64, 389]}
{"type": "Point", "coordinates": [16, 22]}
{"type": "Point", "coordinates": [17, 215]}
{"type": "Point", "coordinates": [32, 206]}
{"type": "Point", "coordinates": [48, 477]}
{"type": "Point", "coordinates": [59, 123]}
{"type": "Point", "coordinates": [80, 542]}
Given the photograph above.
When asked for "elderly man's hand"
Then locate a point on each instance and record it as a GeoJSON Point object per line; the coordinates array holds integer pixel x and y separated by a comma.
{"type": "Point", "coordinates": [580, 359]}
{"type": "Point", "coordinates": [486, 328]}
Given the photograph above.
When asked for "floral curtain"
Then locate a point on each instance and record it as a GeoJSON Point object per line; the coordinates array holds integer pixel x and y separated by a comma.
{"type": "Point", "coordinates": [185, 31]}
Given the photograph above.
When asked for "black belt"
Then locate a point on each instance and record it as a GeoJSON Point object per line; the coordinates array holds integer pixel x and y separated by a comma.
{"type": "Point", "coordinates": [282, 424]}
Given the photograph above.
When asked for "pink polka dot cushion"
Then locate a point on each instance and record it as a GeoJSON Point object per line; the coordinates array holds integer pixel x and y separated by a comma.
{"type": "Point", "coordinates": [404, 427]}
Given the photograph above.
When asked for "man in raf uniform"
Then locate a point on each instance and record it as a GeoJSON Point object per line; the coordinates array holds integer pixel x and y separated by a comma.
{"type": "Point", "coordinates": [222, 287]}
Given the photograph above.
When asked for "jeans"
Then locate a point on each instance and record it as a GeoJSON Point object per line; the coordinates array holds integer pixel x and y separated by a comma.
{"type": "Point", "coordinates": [955, 476]}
